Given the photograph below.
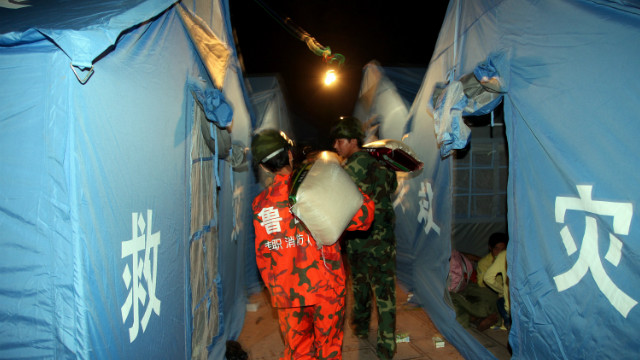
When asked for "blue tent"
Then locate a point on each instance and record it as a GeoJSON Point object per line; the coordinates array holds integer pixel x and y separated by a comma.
{"type": "Point", "coordinates": [384, 103]}
{"type": "Point", "coordinates": [565, 72]}
{"type": "Point", "coordinates": [269, 103]}
{"type": "Point", "coordinates": [386, 95]}
{"type": "Point", "coordinates": [122, 186]}
{"type": "Point", "coordinates": [121, 182]}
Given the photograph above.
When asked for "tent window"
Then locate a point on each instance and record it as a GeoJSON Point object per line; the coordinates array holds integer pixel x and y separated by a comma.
{"type": "Point", "coordinates": [480, 181]}
{"type": "Point", "coordinates": [204, 240]}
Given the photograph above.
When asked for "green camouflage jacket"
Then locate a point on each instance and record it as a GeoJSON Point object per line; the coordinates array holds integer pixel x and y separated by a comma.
{"type": "Point", "coordinates": [377, 181]}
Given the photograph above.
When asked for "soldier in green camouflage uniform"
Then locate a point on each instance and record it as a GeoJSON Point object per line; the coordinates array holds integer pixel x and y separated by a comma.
{"type": "Point", "coordinates": [371, 254]}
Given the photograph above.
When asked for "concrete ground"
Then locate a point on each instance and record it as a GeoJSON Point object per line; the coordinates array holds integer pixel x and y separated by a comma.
{"type": "Point", "coordinates": [260, 336]}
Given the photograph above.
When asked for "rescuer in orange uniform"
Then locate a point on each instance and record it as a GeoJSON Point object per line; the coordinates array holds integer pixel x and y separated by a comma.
{"type": "Point", "coordinates": [306, 281]}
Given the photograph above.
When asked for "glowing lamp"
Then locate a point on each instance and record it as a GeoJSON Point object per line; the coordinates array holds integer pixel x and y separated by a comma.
{"type": "Point", "coordinates": [330, 77]}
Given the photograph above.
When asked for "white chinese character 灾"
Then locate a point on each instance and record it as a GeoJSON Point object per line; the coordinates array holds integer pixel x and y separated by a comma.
{"type": "Point", "coordinates": [589, 258]}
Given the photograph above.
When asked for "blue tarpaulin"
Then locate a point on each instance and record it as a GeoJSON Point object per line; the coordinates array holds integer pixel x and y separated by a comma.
{"type": "Point", "coordinates": [567, 73]}
{"type": "Point", "coordinates": [113, 211]}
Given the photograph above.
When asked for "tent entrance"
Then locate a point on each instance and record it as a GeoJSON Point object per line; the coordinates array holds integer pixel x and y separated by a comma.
{"type": "Point", "coordinates": [204, 276]}
{"type": "Point", "coordinates": [480, 173]}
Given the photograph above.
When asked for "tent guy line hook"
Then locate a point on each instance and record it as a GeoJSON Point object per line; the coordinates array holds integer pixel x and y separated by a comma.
{"type": "Point", "coordinates": [82, 81]}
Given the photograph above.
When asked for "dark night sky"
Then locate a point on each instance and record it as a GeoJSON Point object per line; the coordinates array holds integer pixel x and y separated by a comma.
{"type": "Point", "coordinates": [395, 33]}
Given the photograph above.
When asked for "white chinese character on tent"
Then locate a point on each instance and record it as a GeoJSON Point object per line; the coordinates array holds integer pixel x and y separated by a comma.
{"type": "Point", "coordinates": [426, 208]}
{"type": "Point", "coordinates": [141, 239]}
{"type": "Point", "coordinates": [589, 258]}
{"type": "Point", "coordinates": [270, 219]}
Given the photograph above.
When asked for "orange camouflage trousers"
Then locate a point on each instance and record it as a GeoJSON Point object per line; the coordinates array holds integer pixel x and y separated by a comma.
{"type": "Point", "coordinates": [313, 332]}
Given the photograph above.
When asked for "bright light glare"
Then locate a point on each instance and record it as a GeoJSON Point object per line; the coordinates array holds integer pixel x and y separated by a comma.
{"type": "Point", "coordinates": [330, 77]}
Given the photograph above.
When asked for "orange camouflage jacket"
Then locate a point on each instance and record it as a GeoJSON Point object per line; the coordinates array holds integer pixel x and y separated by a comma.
{"type": "Point", "coordinates": [297, 272]}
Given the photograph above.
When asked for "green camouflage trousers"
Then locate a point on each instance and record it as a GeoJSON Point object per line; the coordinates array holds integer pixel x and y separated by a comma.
{"type": "Point", "coordinates": [373, 271]}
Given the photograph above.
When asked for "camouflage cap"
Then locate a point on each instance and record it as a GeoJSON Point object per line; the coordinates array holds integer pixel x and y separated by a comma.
{"type": "Point", "coordinates": [348, 127]}
{"type": "Point", "coordinates": [268, 143]}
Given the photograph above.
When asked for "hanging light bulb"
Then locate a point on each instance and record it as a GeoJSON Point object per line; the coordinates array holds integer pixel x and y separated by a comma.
{"type": "Point", "coordinates": [330, 77]}
{"type": "Point", "coordinates": [334, 60]}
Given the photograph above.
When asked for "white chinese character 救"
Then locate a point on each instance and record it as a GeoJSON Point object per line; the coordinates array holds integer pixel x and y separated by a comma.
{"type": "Point", "coordinates": [151, 270]}
{"type": "Point", "coordinates": [426, 208]}
{"type": "Point", "coordinates": [141, 239]}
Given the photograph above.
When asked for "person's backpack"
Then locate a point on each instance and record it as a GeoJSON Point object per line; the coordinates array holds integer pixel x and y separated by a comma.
{"type": "Point", "coordinates": [460, 271]}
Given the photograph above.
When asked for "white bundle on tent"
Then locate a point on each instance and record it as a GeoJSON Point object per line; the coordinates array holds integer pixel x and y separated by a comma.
{"type": "Point", "coordinates": [324, 198]}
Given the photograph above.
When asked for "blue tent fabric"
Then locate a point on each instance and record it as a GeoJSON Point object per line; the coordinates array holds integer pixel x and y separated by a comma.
{"type": "Point", "coordinates": [386, 93]}
{"type": "Point", "coordinates": [215, 106]}
{"type": "Point", "coordinates": [566, 73]}
{"type": "Point", "coordinates": [401, 100]}
{"type": "Point", "coordinates": [407, 81]}
{"type": "Point", "coordinates": [99, 204]}
{"type": "Point", "coordinates": [236, 230]}
{"type": "Point", "coordinates": [423, 228]}
{"type": "Point", "coordinates": [569, 75]}
{"type": "Point", "coordinates": [269, 103]}
{"type": "Point", "coordinates": [423, 200]}
{"type": "Point", "coordinates": [451, 131]}
{"type": "Point", "coordinates": [95, 184]}
{"type": "Point", "coordinates": [82, 30]}
{"type": "Point", "coordinates": [478, 95]}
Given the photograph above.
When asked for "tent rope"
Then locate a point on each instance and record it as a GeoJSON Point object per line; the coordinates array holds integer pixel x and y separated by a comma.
{"type": "Point", "coordinates": [297, 32]}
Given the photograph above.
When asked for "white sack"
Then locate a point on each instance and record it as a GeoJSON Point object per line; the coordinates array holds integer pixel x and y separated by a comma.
{"type": "Point", "coordinates": [326, 199]}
